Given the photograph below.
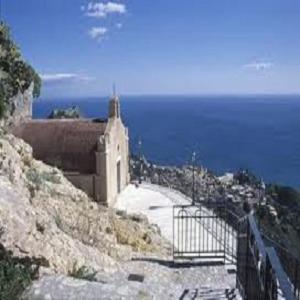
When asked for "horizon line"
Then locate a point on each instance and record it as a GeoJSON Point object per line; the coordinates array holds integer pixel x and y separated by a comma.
{"type": "Point", "coordinates": [173, 95]}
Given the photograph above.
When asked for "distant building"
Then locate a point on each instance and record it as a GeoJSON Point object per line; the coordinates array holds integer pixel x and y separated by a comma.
{"type": "Point", "coordinates": [93, 154]}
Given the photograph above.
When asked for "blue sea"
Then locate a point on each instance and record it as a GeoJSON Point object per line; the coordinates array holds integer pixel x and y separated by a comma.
{"type": "Point", "coordinates": [260, 133]}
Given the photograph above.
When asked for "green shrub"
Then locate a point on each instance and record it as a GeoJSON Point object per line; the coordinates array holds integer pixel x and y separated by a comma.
{"type": "Point", "coordinates": [51, 177]}
{"type": "Point", "coordinates": [34, 176]}
{"type": "Point", "coordinates": [82, 273]}
{"type": "Point", "coordinates": [15, 74]}
{"type": "Point", "coordinates": [15, 274]}
{"type": "Point", "coordinates": [38, 178]}
{"type": "Point", "coordinates": [285, 195]}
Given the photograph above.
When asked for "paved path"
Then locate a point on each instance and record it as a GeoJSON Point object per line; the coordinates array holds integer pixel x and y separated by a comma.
{"type": "Point", "coordinates": [154, 202]}
{"type": "Point", "coordinates": [157, 203]}
{"type": "Point", "coordinates": [140, 280]}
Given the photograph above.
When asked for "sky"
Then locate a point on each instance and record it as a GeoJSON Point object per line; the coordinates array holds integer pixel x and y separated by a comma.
{"type": "Point", "coordinates": [81, 47]}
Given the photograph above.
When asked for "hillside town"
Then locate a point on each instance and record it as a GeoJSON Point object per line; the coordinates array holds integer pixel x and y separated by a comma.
{"type": "Point", "coordinates": [242, 191]}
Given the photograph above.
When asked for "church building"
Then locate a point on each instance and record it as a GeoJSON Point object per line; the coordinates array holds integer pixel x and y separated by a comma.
{"type": "Point", "coordinates": [93, 154]}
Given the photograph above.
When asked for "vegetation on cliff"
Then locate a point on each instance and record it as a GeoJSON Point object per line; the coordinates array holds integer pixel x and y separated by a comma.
{"type": "Point", "coordinates": [278, 213]}
{"type": "Point", "coordinates": [16, 75]}
{"type": "Point", "coordinates": [16, 273]}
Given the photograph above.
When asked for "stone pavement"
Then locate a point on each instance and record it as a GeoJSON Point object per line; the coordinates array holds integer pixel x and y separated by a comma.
{"type": "Point", "coordinates": [141, 279]}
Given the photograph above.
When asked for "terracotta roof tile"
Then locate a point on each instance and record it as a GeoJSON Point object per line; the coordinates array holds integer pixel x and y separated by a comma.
{"type": "Point", "coordinates": [67, 144]}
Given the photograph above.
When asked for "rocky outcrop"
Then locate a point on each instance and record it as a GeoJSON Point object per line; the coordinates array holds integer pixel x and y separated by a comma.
{"type": "Point", "coordinates": [19, 109]}
{"type": "Point", "coordinates": [43, 215]}
{"type": "Point", "coordinates": [203, 184]}
{"type": "Point", "coordinates": [68, 113]}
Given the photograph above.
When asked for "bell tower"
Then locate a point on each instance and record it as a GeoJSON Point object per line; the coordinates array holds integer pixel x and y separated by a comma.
{"type": "Point", "coordinates": [114, 105]}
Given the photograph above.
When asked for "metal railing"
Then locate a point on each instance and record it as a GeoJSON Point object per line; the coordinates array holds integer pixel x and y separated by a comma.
{"type": "Point", "coordinates": [290, 264]}
{"type": "Point", "coordinates": [215, 232]}
{"type": "Point", "coordinates": [260, 274]}
{"type": "Point", "coordinates": [265, 270]}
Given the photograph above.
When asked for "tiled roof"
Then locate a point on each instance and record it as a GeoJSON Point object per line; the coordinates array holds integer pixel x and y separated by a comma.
{"type": "Point", "coordinates": [67, 144]}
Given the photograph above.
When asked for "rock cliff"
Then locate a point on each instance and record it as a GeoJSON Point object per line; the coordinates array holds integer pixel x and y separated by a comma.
{"type": "Point", "coordinates": [19, 109]}
{"type": "Point", "coordinates": [43, 215]}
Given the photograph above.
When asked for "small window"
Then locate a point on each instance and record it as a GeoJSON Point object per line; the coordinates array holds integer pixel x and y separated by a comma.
{"type": "Point", "coordinates": [118, 147]}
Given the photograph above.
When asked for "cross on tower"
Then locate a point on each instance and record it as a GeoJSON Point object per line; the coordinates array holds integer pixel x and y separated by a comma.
{"type": "Point", "coordinates": [114, 88]}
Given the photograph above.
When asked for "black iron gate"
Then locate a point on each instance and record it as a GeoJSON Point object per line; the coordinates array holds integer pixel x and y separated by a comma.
{"type": "Point", "coordinates": [200, 232]}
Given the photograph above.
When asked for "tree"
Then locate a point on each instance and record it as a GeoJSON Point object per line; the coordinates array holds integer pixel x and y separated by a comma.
{"type": "Point", "coordinates": [15, 74]}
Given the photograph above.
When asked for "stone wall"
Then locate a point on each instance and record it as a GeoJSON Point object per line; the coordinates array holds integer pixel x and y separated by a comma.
{"type": "Point", "coordinates": [83, 182]}
{"type": "Point", "coordinates": [91, 184]}
{"type": "Point", "coordinates": [118, 150]}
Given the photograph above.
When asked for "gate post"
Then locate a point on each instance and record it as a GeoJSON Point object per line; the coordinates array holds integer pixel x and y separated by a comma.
{"type": "Point", "coordinates": [173, 233]}
{"type": "Point", "coordinates": [225, 230]}
{"type": "Point", "coordinates": [242, 259]}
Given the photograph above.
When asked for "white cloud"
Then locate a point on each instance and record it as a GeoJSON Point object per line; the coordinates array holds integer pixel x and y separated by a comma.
{"type": "Point", "coordinates": [101, 10]}
{"type": "Point", "coordinates": [259, 66]}
{"type": "Point", "coordinates": [97, 33]}
{"type": "Point", "coordinates": [119, 25]}
{"type": "Point", "coordinates": [58, 77]}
